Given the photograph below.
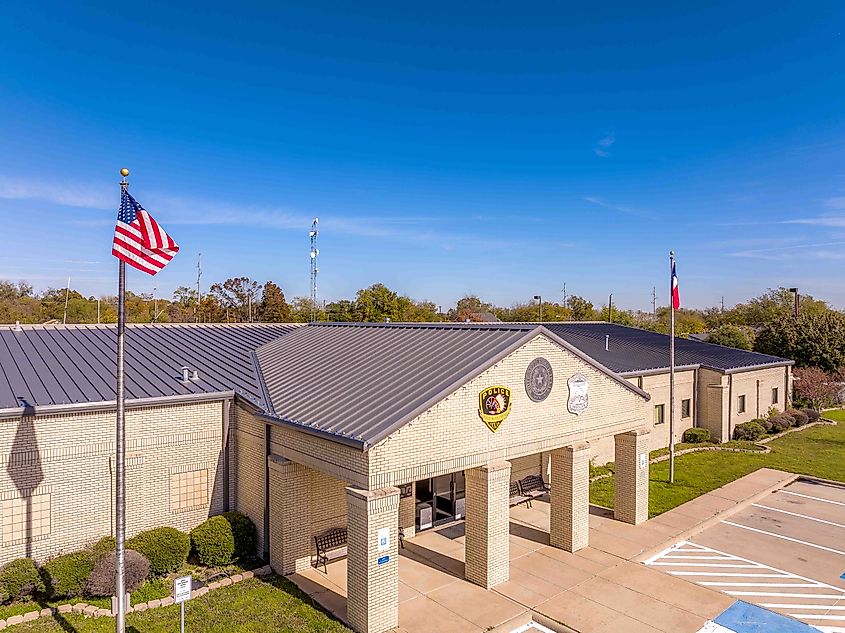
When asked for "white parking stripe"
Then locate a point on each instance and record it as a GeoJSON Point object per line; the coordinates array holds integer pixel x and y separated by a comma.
{"type": "Point", "coordinates": [795, 514]}
{"type": "Point", "coordinates": [813, 616]}
{"type": "Point", "coordinates": [726, 574]}
{"type": "Point", "coordinates": [777, 605]}
{"type": "Point", "coordinates": [720, 565]}
{"type": "Point", "coordinates": [786, 538]}
{"type": "Point", "coordinates": [708, 583]}
{"type": "Point", "coordinates": [798, 494]}
{"type": "Point", "coordinates": [820, 596]}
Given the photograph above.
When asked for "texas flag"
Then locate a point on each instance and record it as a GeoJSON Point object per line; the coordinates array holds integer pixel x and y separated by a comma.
{"type": "Point", "coordinates": [676, 297]}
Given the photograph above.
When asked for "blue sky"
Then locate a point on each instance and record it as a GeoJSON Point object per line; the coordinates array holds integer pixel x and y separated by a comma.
{"type": "Point", "coordinates": [496, 148]}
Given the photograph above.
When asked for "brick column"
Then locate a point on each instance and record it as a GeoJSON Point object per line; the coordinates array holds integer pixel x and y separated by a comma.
{"type": "Point", "coordinates": [488, 524]}
{"type": "Point", "coordinates": [372, 575]}
{"type": "Point", "coordinates": [569, 520]}
{"type": "Point", "coordinates": [290, 518]}
{"type": "Point", "coordinates": [632, 476]}
{"type": "Point", "coordinates": [408, 512]}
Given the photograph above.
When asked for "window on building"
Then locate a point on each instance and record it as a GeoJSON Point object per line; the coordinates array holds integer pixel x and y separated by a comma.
{"type": "Point", "coordinates": [685, 408]}
{"type": "Point", "coordinates": [189, 490]}
{"type": "Point", "coordinates": [740, 404]}
{"type": "Point", "coordinates": [26, 519]}
{"type": "Point", "coordinates": [659, 411]}
{"type": "Point", "coordinates": [774, 395]}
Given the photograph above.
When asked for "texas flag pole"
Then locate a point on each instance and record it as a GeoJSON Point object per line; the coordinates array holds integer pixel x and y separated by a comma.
{"type": "Point", "coordinates": [140, 242]}
{"type": "Point", "coordinates": [676, 303]}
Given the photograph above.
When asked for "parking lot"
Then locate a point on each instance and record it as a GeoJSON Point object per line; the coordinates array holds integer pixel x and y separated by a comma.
{"type": "Point", "coordinates": [785, 552]}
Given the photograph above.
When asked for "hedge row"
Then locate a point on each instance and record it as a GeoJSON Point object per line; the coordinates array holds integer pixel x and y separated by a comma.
{"type": "Point", "coordinates": [776, 423]}
{"type": "Point", "coordinates": [220, 540]}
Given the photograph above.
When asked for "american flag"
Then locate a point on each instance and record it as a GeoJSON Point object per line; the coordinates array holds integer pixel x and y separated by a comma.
{"type": "Point", "coordinates": [676, 297]}
{"type": "Point", "coordinates": [139, 240]}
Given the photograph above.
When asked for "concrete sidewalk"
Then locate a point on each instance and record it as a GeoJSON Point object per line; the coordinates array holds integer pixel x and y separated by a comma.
{"type": "Point", "coordinates": [601, 589]}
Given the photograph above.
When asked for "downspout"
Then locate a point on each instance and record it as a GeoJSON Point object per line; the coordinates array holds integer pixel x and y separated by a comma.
{"type": "Point", "coordinates": [758, 399]}
{"type": "Point", "coordinates": [225, 447]}
{"type": "Point", "coordinates": [266, 544]}
{"type": "Point", "coordinates": [787, 394]}
{"type": "Point", "coordinates": [730, 405]}
{"type": "Point", "coordinates": [695, 411]}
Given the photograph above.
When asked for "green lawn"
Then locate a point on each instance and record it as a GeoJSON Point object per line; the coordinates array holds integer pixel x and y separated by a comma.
{"type": "Point", "coordinates": [255, 605]}
{"type": "Point", "coordinates": [817, 451]}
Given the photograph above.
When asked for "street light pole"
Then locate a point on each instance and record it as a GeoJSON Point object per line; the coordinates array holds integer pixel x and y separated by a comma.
{"type": "Point", "coordinates": [539, 299]}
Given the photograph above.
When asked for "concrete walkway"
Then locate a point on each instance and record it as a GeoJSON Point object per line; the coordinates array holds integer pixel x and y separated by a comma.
{"type": "Point", "coordinates": [603, 588]}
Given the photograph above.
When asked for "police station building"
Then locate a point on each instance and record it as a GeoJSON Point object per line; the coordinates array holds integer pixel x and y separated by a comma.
{"type": "Point", "coordinates": [372, 431]}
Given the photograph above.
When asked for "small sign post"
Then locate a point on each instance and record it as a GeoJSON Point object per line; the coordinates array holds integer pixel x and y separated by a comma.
{"type": "Point", "coordinates": [181, 594]}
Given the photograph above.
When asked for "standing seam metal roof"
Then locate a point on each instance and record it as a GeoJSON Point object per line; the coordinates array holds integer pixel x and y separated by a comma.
{"type": "Point", "coordinates": [44, 366]}
{"type": "Point", "coordinates": [632, 350]}
{"type": "Point", "coordinates": [360, 382]}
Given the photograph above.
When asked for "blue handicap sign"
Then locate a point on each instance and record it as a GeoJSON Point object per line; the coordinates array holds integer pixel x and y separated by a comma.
{"type": "Point", "coordinates": [383, 560]}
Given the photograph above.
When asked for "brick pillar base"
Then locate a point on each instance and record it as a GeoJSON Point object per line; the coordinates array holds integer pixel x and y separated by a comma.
{"type": "Point", "coordinates": [569, 520]}
{"type": "Point", "coordinates": [290, 518]}
{"type": "Point", "coordinates": [631, 476]}
{"type": "Point", "coordinates": [372, 575]}
{"type": "Point", "coordinates": [488, 524]}
{"type": "Point", "coordinates": [408, 513]}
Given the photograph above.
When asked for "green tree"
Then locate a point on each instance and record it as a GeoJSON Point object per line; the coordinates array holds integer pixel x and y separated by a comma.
{"type": "Point", "coordinates": [274, 308]}
{"type": "Point", "coordinates": [470, 308]}
{"type": "Point", "coordinates": [237, 296]}
{"type": "Point", "coordinates": [814, 339]}
{"type": "Point", "coordinates": [771, 305]}
{"type": "Point", "coordinates": [621, 317]}
{"type": "Point", "coordinates": [341, 311]}
{"type": "Point", "coordinates": [729, 335]}
{"type": "Point", "coordinates": [301, 311]}
{"type": "Point", "coordinates": [581, 309]}
{"type": "Point", "coordinates": [377, 303]}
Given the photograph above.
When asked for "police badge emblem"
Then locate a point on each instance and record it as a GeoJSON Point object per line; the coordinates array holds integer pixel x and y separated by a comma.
{"type": "Point", "coordinates": [579, 394]}
{"type": "Point", "coordinates": [494, 405]}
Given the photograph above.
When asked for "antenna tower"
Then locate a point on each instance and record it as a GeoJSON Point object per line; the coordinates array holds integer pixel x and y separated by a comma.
{"type": "Point", "coordinates": [199, 276]}
{"type": "Point", "coordinates": [314, 253]}
{"type": "Point", "coordinates": [654, 300]}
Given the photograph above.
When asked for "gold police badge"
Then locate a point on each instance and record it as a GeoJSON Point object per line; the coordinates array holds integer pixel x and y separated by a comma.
{"type": "Point", "coordinates": [494, 405]}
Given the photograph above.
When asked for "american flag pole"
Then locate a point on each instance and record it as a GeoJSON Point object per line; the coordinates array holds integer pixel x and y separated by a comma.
{"type": "Point", "coordinates": [120, 446]}
{"type": "Point", "coordinates": [672, 291]}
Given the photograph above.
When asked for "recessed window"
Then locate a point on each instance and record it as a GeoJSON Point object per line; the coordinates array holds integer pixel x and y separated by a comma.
{"type": "Point", "coordinates": [188, 491]}
{"type": "Point", "coordinates": [659, 411]}
{"type": "Point", "coordinates": [685, 408]}
{"type": "Point", "coordinates": [740, 404]}
{"type": "Point", "coordinates": [774, 395]}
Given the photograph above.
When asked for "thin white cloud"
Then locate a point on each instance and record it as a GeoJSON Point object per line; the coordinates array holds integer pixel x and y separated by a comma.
{"type": "Point", "coordinates": [774, 253]}
{"type": "Point", "coordinates": [618, 207]}
{"type": "Point", "coordinates": [57, 192]}
{"type": "Point", "coordinates": [837, 202]}
{"type": "Point", "coordinates": [604, 144]}
{"type": "Point", "coordinates": [835, 221]}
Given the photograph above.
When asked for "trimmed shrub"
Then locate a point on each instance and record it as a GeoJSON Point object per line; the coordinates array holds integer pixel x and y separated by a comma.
{"type": "Point", "coordinates": [800, 417]}
{"type": "Point", "coordinates": [812, 415]}
{"type": "Point", "coordinates": [243, 532]}
{"type": "Point", "coordinates": [103, 547]}
{"type": "Point", "coordinates": [766, 423]}
{"type": "Point", "coordinates": [781, 423]}
{"type": "Point", "coordinates": [66, 575]}
{"type": "Point", "coordinates": [696, 435]}
{"type": "Point", "coordinates": [750, 431]}
{"type": "Point", "coordinates": [166, 548]}
{"type": "Point", "coordinates": [213, 542]}
{"type": "Point", "coordinates": [19, 579]}
{"type": "Point", "coordinates": [787, 415]}
{"type": "Point", "coordinates": [101, 581]}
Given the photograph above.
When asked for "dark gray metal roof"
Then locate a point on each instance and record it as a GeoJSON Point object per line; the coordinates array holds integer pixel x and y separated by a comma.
{"type": "Point", "coordinates": [358, 383]}
{"type": "Point", "coordinates": [636, 351]}
{"type": "Point", "coordinates": [45, 366]}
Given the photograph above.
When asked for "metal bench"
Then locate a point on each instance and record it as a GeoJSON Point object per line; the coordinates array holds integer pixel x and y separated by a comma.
{"type": "Point", "coordinates": [516, 495]}
{"type": "Point", "coordinates": [533, 486]}
{"type": "Point", "coordinates": [330, 544]}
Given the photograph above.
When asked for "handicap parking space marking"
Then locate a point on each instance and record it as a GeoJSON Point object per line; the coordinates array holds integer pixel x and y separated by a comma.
{"type": "Point", "coordinates": [771, 588]}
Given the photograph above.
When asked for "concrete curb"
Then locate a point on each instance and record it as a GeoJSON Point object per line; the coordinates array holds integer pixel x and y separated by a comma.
{"type": "Point", "coordinates": [719, 516]}
{"type": "Point", "coordinates": [89, 610]}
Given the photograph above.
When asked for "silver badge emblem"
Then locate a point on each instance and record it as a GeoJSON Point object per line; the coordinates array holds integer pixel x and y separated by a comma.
{"type": "Point", "coordinates": [579, 394]}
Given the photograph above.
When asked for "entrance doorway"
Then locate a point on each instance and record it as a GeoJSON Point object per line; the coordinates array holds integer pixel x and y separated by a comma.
{"type": "Point", "coordinates": [440, 500]}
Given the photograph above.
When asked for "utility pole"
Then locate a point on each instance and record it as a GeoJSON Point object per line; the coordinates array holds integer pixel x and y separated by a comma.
{"type": "Point", "coordinates": [67, 296]}
{"type": "Point", "coordinates": [723, 304]}
{"type": "Point", "coordinates": [98, 311]}
{"type": "Point", "coordinates": [564, 294]}
{"type": "Point", "coordinates": [654, 301]}
{"type": "Point", "coordinates": [199, 276]}
{"type": "Point", "coordinates": [540, 309]}
{"type": "Point", "coordinates": [797, 301]}
{"type": "Point", "coordinates": [155, 304]}
{"type": "Point", "coordinates": [610, 308]}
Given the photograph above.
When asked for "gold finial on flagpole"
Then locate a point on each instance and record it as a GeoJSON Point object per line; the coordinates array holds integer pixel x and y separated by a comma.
{"type": "Point", "coordinates": [124, 172]}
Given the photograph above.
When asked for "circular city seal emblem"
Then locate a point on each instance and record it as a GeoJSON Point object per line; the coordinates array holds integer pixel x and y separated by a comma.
{"type": "Point", "coordinates": [539, 379]}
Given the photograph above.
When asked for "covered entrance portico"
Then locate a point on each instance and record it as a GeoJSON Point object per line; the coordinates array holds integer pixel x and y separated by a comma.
{"type": "Point", "coordinates": [464, 419]}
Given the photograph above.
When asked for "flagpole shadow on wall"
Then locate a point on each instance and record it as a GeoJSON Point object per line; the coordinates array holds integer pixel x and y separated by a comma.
{"type": "Point", "coordinates": [25, 471]}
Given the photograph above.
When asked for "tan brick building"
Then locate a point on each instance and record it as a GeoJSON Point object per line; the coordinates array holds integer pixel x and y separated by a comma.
{"type": "Point", "coordinates": [378, 429]}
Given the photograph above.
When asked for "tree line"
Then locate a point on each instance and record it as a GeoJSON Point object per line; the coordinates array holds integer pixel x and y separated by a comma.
{"type": "Point", "coordinates": [816, 338]}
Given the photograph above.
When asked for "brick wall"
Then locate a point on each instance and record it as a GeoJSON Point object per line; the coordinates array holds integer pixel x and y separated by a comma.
{"type": "Point", "coordinates": [247, 466]}
{"type": "Point", "coordinates": [62, 467]}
